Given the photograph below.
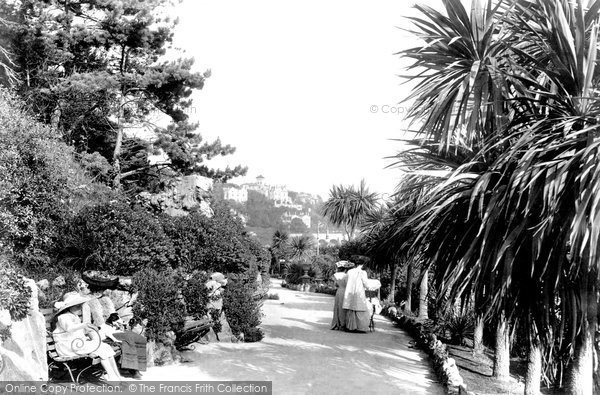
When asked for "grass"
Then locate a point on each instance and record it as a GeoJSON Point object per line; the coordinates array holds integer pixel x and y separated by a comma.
{"type": "Point", "coordinates": [477, 372]}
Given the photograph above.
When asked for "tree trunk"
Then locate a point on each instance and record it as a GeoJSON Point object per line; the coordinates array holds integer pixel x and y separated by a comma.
{"type": "Point", "coordinates": [502, 351]}
{"type": "Point", "coordinates": [478, 336]}
{"type": "Point", "coordinates": [118, 144]}
{"type": "Point", "coordinates": [534, 369]}
{"type": "Point", "coordinates": [423, 292]}
{"type": "Point", "coordinates": [392, 296]}
{"type": "Point", "coordinates": [409, 284]}
{"type": "Point", "coordinates": [581, 377]}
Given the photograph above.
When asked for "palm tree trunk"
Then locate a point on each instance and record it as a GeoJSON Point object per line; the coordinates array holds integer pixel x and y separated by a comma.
{"type": "Point", "coordinates": [392, 296]}
{"type": "Point", "coordinates": [423, 291]}
{"type": "Point", "coordinates": [502, 351]}
{"type": "Point", "coordinates": [478, 335]}
{"type": "Point", "coordinates": [409, 285]}
{"type": "Point", "coordinates": [534, 368]}
{"type": "Point", "coordinates": [582, 371]}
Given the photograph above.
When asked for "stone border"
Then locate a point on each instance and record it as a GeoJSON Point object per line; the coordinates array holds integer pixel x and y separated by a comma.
{"type": "Point", "coordinates": [444, 367]}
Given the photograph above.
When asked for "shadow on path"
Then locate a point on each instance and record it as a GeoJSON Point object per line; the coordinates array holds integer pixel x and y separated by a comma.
{"type": "Point", "coordinates": [301, 354]}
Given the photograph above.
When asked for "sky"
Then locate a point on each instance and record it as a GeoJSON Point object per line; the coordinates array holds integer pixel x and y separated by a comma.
{"type": "Point", "coordinates": [307, 91]}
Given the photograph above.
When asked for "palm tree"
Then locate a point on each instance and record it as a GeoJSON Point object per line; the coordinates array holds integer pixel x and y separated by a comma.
{"type": "Point", "coordinates": [279, 246]}
{"type": "Point", "coordinates": [347, 206]}
{"type": "Point", "coordinates": [511, 92]}
{"type": "Point", "coordinates": [300, 247]}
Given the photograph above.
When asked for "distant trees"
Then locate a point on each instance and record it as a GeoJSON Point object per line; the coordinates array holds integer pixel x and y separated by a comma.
{"type": "Point", "coordinates": [348, 205]}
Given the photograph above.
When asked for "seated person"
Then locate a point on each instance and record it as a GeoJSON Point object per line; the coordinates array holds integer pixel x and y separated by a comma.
{"type": "Point", "coordinates": [74, 338]}
{"type": "Point", "coordinates": [112, 325]}
{"type": "Point", "coordinates": [133, 345]}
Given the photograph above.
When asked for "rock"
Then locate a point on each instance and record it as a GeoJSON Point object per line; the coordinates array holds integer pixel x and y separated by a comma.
{"type": "Point", "coordinates": [59, 282]}
{"type": "Point", "coordinates": [43, 284]}
{"type": "Point", "coordinates": [159, 353]}
{"type": "Point", "coordinates": [23, 354]}
{"type": "Point", "coordinates": [189, 193]}
{"type": "Point", "coordinates": [5, 320]}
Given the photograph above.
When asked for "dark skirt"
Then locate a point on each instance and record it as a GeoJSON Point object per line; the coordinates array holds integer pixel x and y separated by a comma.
{"type": "Point", "coordinates": [339, 314]}
{"type": "Point", "coordinates": [133, 350]}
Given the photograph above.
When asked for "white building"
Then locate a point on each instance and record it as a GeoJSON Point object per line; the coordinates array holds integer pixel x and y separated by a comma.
{"type": "Point", "coordinates": [236, 193]}
{"type": "Point", "coordinates": [279, 194]}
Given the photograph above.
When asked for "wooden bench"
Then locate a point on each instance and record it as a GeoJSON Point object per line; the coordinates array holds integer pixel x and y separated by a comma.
{"type": "Point", "coordinates": [73, 363]}
{"type": "Point", "coordinates": [192, 332]}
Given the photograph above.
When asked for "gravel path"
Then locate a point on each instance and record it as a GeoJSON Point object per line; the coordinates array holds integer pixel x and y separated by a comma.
{"type": "Point", "coordinates": [301, 355]}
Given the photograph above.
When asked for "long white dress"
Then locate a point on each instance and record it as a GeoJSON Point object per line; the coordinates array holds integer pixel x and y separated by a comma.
{"type": "Point", "coordinates": [72, 342]}
{"type": "Point", "coordinates": [358, 311]}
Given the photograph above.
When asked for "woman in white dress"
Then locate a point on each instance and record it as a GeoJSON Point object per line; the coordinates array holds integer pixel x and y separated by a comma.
{"type": "Point", "coordinates": [74, 338]}
{"type": "Point", "coordinates": [357, 309]}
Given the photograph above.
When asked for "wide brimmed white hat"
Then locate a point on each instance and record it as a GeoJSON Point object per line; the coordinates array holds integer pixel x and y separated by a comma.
{"type": "Point", "coordinates": [341, 263]}
{"type": "Point", "coordinates": [69, 300]}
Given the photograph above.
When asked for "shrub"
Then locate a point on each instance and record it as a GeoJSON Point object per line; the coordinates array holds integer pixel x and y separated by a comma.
{"type": "Point", "coordinates": [460, 327]}
{"type": "Point", "coordinates": [159, 301]}
{"type": "Point", "coordinates": [273, 296]}
{"type": "Point", "coordinates": [195, 294]}
{"type": "Point", "coordinates": [295, 271]}
{"type": "Point", "coordinates": [324, 266]}
{"type": "Point", "coordinates": [14, 294]}
{"type": "Point", "coordinates": [216, 244]}
{"type": "Point", "coordinates": [116, 238]}
{"type": "Point", "coordinates": [241, 308]}
{"type": "Point", "coordinates": [326, 289]}
{"type": "Point", "coordinates": [253, 335]}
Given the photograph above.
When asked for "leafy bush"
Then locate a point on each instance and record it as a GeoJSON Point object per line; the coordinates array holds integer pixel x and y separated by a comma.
{"type": "Point", "coordinates": [195, 294]}
{"type": "Point", "coordinates": [241, 309]}
{"type": "Point", "coordinates": [295, 271]}
{"type": "Point", "coordinates": [160, 302]}
{"type": "Point", "coordinates": [253, 335]}
{"type": "Point", "coordinates": [326, 289]}
{"type": "Point", "coordinates": [117, 238]}
{"type": "Point", "coordinates": [14, 294]}
{"type": "Point", "coordinates": [273, 296]}
{"type": "Point", "coordinates": [216, 244]}
{"type": "Point", "coordinates": [324, 266]}
{"type": "Point", "coordinates": [460, 327]}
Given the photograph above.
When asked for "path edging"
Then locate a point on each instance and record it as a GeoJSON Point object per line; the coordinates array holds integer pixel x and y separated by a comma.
{"type": "Point", "coordinates": [444, 367]}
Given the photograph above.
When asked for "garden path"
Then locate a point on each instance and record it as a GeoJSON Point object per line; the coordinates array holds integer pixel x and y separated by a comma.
{"type": "Point", "coordinates": [301, 355]}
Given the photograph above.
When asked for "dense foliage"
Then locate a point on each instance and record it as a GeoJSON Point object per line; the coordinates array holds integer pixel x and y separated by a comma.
{"type": "Point", "coordinates": [95, 70]}
{"type": "Point", "coordinates": [215, 244]}
{"type": "Point", "coordinates": [14, 294]}
{"type": "Point", "coordinates": [195, 294]}
{"type": "Point", "coordinates": [160, 303]}
{"type": "Point", "coordinates": [241, 307]}
{"type": "Point", "coordinates": [116, 238]}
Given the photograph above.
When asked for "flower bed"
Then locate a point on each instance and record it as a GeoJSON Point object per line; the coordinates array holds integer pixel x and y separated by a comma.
{"type": "Point", "coordinates": [422, 332]}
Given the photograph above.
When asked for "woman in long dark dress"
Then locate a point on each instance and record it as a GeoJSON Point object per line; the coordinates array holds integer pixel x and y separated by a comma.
{"type": "Point", "coordinates": [341, 279]}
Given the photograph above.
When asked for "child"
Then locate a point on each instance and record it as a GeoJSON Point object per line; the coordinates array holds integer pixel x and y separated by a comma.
{"type": "Point", "coordinates": [113, 324]}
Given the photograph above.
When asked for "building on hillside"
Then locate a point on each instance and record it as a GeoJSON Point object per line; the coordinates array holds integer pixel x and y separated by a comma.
{"type": "Point", "coordinates": [287, 218]}
{"type": "Point", "coordinates": [297, 207]}
{"type": "Point", "coordinates": [325, 236]}
{"type": "Point", "coordinates": [307, 198]}
{"type": "Point", "coordinates": [258, 186]}
{"type": "Point", "coordinates": [279, 194]}
{"type": "Point", "coordinates": [236, 193]}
